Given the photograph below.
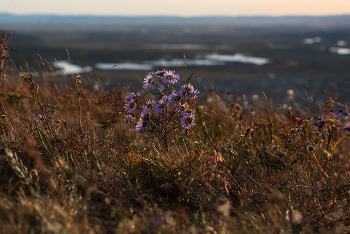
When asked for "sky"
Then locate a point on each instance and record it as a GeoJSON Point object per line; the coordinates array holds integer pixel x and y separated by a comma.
{"type": "Point", "coordinates": [177, 7]}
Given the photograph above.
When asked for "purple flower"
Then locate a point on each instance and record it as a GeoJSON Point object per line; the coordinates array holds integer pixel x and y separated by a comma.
{"type": "Point", "coordinates": [347, 128]}
{"type": "Point", "coordinates": [345, 113]}
{"type": "Point", "coordinates": [130, 106]}
{"type": "Point", "coordinates": [130, 97]}
{"type": "Point", "coordinates": [159, 73]}
{"type": "Point", "coordinates": [141, 127]}
{"type": "Point", "coordinates": [160, 106]}
{"type": "Point", "coordinates": [128, 119]}
{"type": "Point", "coordinates": [338, 114]}
{"type": "Point", "coordinates": [263, 150]}
{"type": "Point", "coordinates": [188, 90]}
{"type": "Point", "coordinates": [165, 99]}
{"type": "Point", "coordinates": [187, 121]}
{"type": "Point", "coordinates": [146, 115]}
{"type": "Point", "coordinates": [188, 111]}
{"type": "Point", "coordinates": [162, 86]}
{"type": "Point", "coordinates": [170, 77]}
{"type": "Point", "coordinates": [175, 98]}
{"type": "Point", "coordinates": [317, 118]}
{"type": "Point", "coordinates": [149, 104]}
{"type": "Point", "coordinates": [181, 108]}
{"type": "Point", "coordinates": [39, 118]}
{"type": "Point", "coordinates": [320, 122]}
{"type": "Point", "coordinates": [320, 125]}
{"type": "Point", "coordinates": [148, 80]}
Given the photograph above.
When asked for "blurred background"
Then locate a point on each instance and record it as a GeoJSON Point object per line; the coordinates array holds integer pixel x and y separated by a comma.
{"type": "Point", "coordinates": [291, 53]}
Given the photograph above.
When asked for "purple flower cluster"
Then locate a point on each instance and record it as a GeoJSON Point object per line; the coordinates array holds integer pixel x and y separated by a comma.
{"type": "Point", "coordinates": [128, 119]}
{"type": "Point", "coordinates": [130, 103]}
{"type": "Point", "coordinates": [144, 121]}
{"type": "Point", "coordinates": [188, 90]}
{"type": "Point", "coordinates": [335, 115]}
{"type": "Point", "coordinates": [141, 127]}
{"type": "Point", "coordinates": [319, 122]}
{"type": "Point", "coordinates": [338, 114]}
{"type": "Point", "coordinates": [130, 97]}
{"type": "Point", "coordinates": [171, 101]}
{"type": "Point", "coordinates": [129, 107]}
{"type": "Point", "coordinates": [166, 78]}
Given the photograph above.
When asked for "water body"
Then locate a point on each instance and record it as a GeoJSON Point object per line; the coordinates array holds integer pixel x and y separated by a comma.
{"type": "Point", "coordinates": [177, 46]}
{"type": "Point", "coordinates": [212, 59]}
{"type": "Point", "coordinates": [312, 40]}
{"type": "Point", "coordinates": [187, 46]}
{"type": "Point", "coordinates": [64, 67]}
{"type": "Point", "coordinates": [123, 66]}
{"type": "Point", "coordinates": [237, 58]}
{"type": "Point", "coordinates": [340, 51]}
{"type": "Point", "coordinates": [69, 68]}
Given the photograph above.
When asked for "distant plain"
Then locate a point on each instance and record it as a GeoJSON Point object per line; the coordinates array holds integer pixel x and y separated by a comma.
{"type": "Point", "coordinates": [307, 55]}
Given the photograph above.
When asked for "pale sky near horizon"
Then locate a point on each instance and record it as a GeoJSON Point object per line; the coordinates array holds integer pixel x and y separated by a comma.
{"type": "Point", "coordinates": [177, 7]}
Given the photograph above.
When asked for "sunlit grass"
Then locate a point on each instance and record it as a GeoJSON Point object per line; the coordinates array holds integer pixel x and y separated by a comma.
{"type": "Point", "coordinates": [79, 169]}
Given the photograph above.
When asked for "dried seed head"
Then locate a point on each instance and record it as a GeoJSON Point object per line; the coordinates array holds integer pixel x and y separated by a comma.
{"type": "Point", "coordinates": [36, 87]}
{"type": "Point", "coordinates": [77, 80]}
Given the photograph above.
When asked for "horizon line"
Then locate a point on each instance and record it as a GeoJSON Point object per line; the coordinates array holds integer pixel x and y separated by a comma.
{"type": "Point", "coordinates": [176, 16]}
